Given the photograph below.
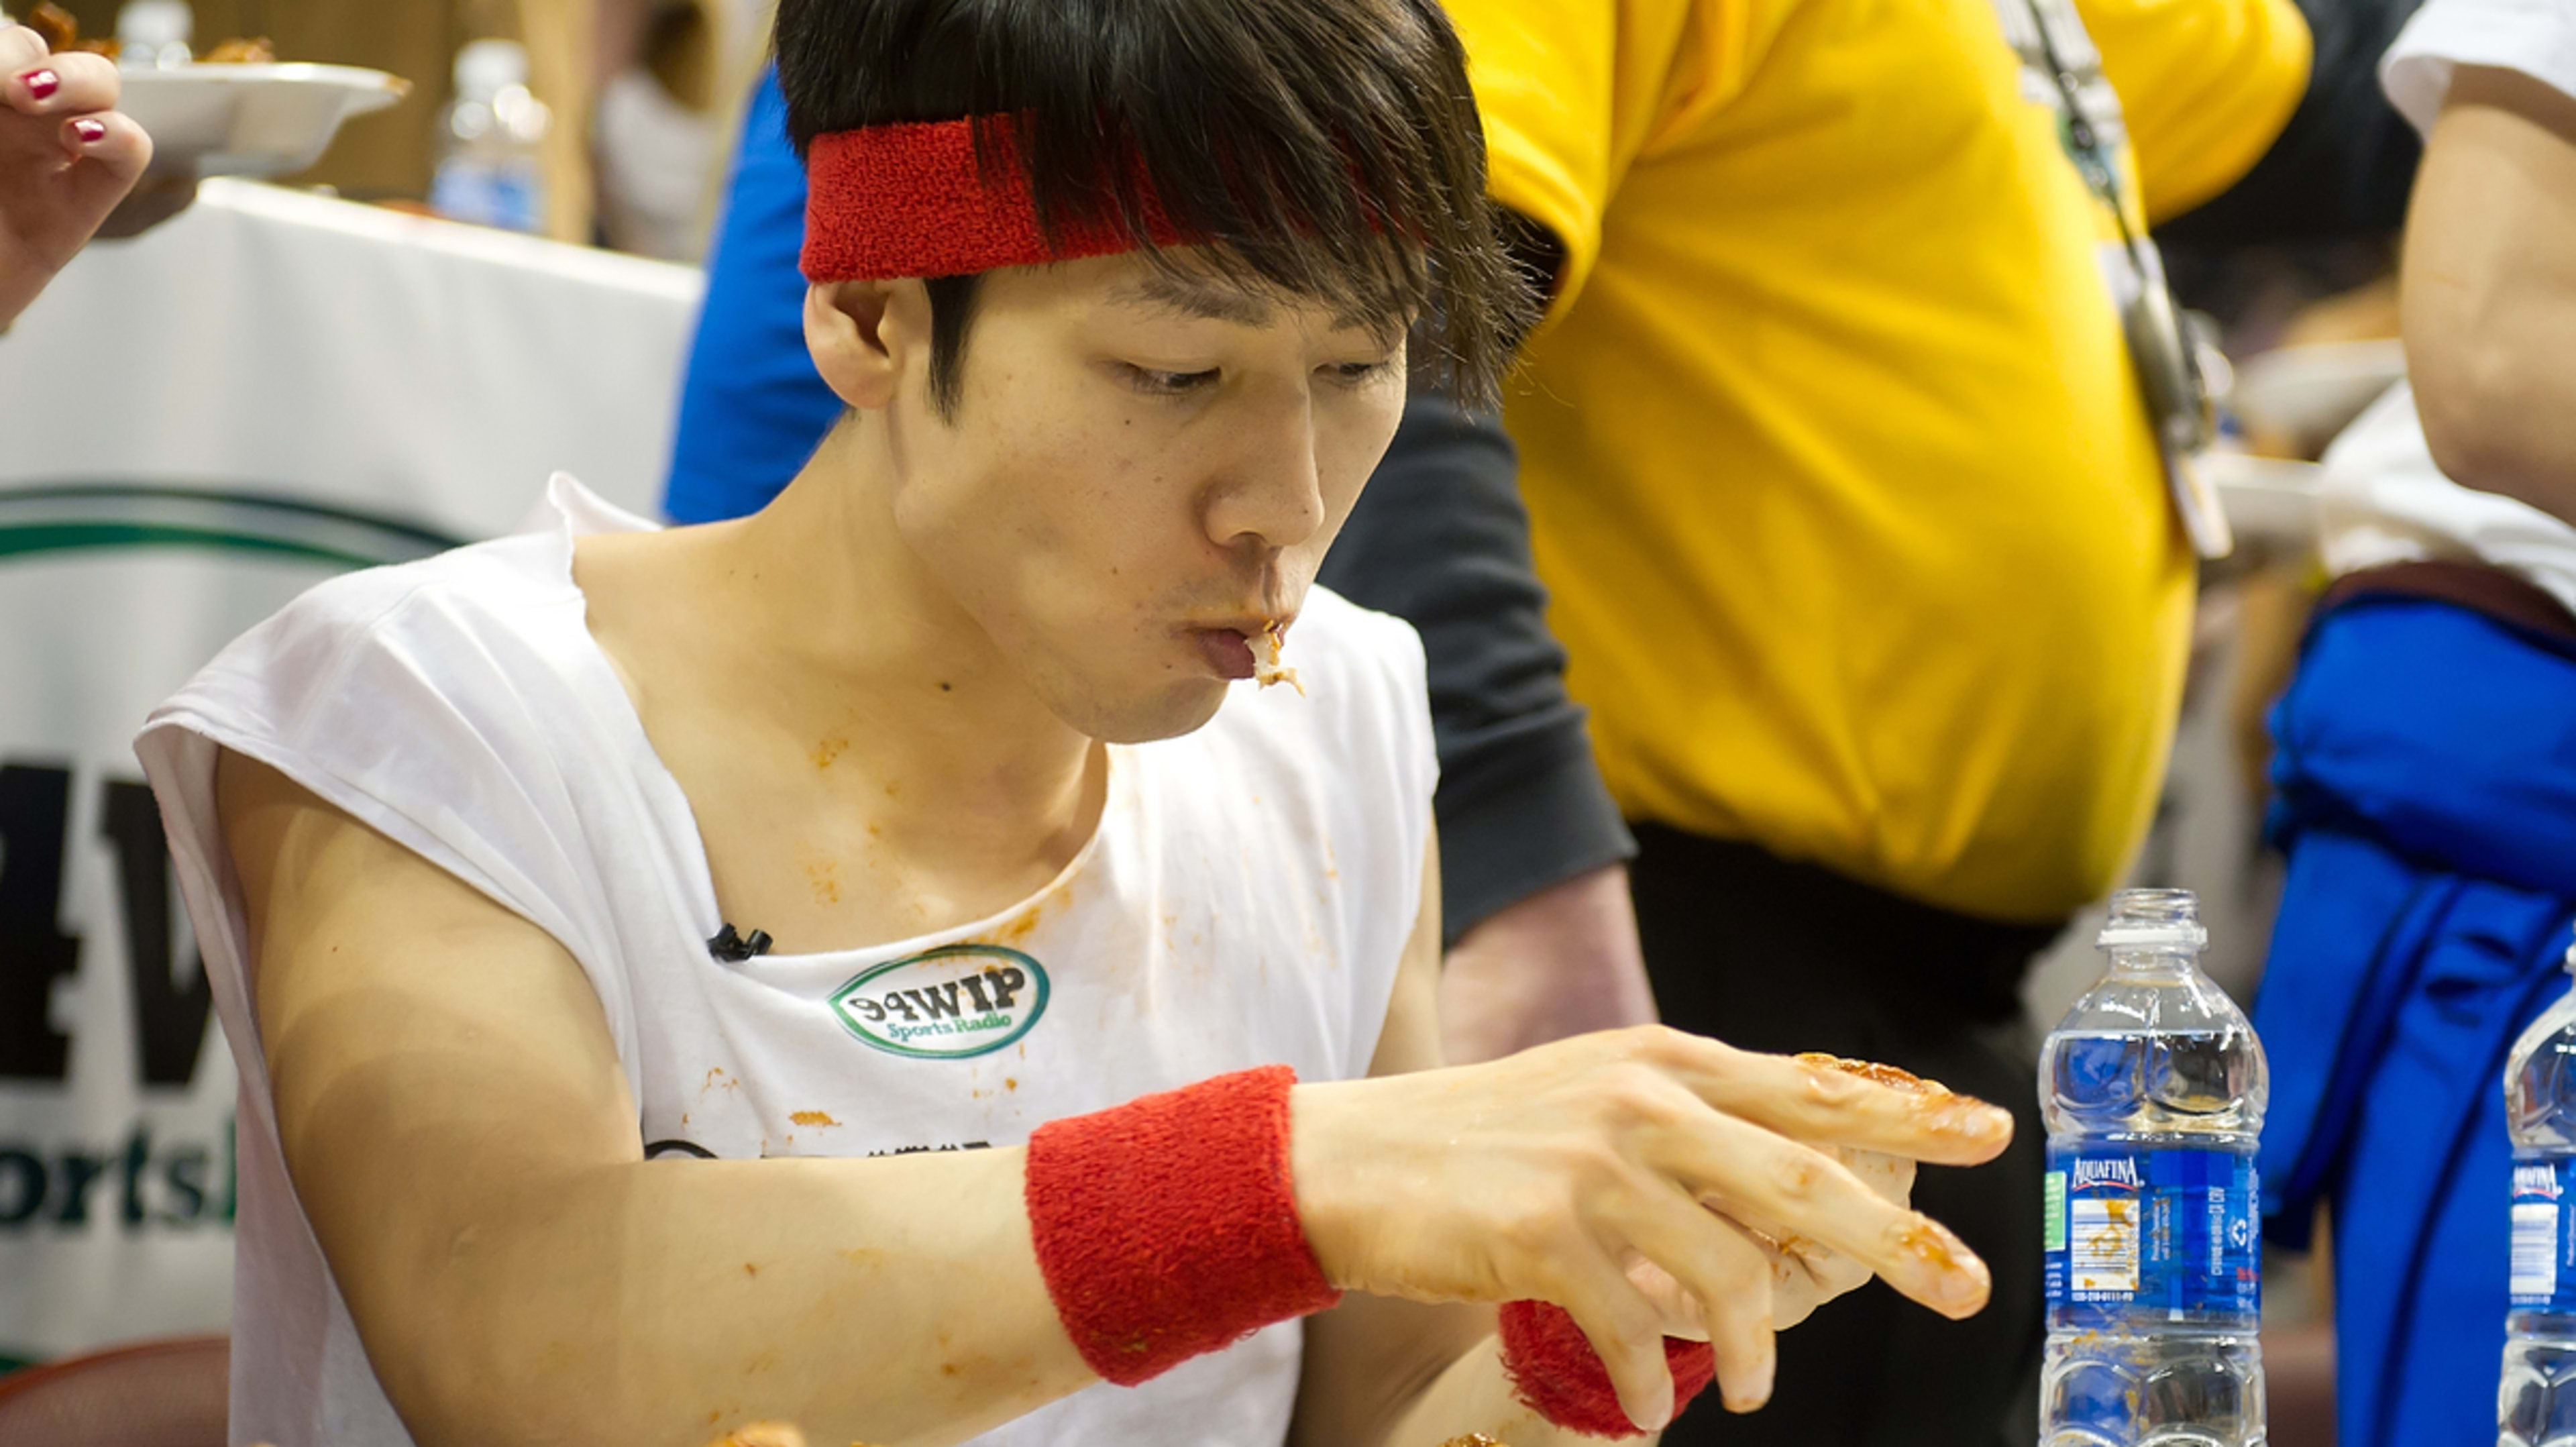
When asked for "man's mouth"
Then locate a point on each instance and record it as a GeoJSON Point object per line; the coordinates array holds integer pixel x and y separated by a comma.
{"type": "Point", "coordinates": [1226, 650]}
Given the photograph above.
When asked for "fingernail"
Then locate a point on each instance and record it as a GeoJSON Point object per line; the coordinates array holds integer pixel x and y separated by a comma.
{"type": "Point", "coordinates": [1959, 1279]}
{"type": "Point", "coordinates": [1966, 1288]}
{"type": "Point", "coordinates": [1967, 1115]}
{"type": "Point", "coordinates": [1751, 1394]}
{"type": "Point", "coordinates": [41, 83]}
{"type": "Point", "coordinates": [91, 132]}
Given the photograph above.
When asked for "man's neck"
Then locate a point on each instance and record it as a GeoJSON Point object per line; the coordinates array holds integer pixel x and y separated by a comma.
{"type": "Point", "coordinates": [840, 634]}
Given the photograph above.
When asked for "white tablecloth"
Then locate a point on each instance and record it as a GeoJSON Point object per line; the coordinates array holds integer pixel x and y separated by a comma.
{"type": "Point", "coordinates": [194, 427]}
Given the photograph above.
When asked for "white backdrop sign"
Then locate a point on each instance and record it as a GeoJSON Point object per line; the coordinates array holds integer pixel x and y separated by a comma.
{"type": "Point", "coordinates": [194, 427]}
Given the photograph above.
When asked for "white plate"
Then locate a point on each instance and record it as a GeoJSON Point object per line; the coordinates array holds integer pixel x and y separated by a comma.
{"type": "Point", "coordinates": [249, 120]}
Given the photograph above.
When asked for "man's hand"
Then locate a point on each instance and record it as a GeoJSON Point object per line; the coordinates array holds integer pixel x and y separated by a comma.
{"type": "Point", "coordinates": [66, 158]}
{"type": "Point", "coordinates": [1562, 962]}
{"type": "Point", "coordinates": [1578, 1172]}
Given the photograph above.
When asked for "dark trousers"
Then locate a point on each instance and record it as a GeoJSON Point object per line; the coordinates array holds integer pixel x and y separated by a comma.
{"type": "Point", "coordinates": [1770, 955]}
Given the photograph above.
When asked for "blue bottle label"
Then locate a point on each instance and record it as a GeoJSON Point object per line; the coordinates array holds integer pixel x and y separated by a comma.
{"type": "Point", "coordinates": [2157, 1228]}
{"type": "Point", "coordinates": [2544, 1237]}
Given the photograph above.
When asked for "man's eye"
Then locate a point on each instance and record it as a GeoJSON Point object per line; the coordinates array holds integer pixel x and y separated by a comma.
{"type": "Point", "coordinates": [1360, 374]}
{"type": "Point", "coordinates": [1168, 384]}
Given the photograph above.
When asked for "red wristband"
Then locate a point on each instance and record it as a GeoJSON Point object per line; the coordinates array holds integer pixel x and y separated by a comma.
{"type": "Point", "coordinates": [1560, 1377]}
{"type": "Point", "coordinates": [1167, 1227]}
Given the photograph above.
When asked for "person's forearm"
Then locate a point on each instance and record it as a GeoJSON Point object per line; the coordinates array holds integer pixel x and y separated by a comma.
{"type": "Point", "coordinates": [1561, 962]}
{"type": "Point", "coordinates": [2489, 294]}
{"type": "Point", "coordinates": [892, 1301]}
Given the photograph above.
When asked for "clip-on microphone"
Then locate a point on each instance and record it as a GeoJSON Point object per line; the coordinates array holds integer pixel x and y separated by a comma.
{"type": "Point", "coordinates": [733, 948]}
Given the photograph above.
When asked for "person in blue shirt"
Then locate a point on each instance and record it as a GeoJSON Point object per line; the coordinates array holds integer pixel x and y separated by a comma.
{"type": "Point", "coordinates": [753, 408]}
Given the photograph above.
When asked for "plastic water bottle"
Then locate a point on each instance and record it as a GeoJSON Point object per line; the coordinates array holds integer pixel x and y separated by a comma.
{"type": "Point", "coordinates": [2537, 1401]}
{"type": "Point", "coordinates": [488, 171]}
{"type": "Point", "coordinates": [154, 34]}
{"type": "Point", "coordinates": [2153, 1088]}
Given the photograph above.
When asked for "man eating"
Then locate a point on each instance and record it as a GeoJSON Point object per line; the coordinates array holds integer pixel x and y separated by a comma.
{"type": "Point", "coordinates": [869, 965]}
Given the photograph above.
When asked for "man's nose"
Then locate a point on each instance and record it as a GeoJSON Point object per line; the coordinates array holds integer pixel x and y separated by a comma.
{"type": "Point", "coordinates": [1270, 496]}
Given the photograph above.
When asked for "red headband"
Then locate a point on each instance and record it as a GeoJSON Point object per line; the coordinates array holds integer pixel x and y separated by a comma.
{"type": "Point", "coordinates": [910, 200]}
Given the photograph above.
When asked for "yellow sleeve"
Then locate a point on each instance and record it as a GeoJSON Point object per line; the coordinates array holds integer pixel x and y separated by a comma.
{"type": "Point", "coordinates": [2205, 85]}
{"type": "Point", "coordinates": [1543, 72]}
{"type": "Point", "coordinates": [1568, 91]}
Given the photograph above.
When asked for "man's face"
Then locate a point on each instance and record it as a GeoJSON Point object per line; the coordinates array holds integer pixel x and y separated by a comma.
{"type": "Point", "coordinates": [1139, 476]}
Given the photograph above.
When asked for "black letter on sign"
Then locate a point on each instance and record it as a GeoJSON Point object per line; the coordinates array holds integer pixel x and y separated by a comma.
{"type": "Point", "coordinates": [34, 804]}
{"type": "Point", "coordinates": [169, 1018]}
{"type": "Point", "coordinates": [1007, 981]}
{"type": "Point", "coordinates": [20, 1203]}
{"type": "Point", "coordinates": [185, 1172]}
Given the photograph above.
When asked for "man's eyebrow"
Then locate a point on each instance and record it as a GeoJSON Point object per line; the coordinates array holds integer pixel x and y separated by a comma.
{"type": "Point", "coordinates": [1204, 303]}
{"type": "Point", "coordinates": [1218, 303]}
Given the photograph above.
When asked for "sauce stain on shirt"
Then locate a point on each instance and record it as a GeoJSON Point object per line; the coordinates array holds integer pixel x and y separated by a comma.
{"type": "Point", "coordinates": [825, 876]}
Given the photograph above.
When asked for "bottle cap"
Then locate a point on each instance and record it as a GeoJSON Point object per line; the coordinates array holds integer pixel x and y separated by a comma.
{"type": "Point", "coordinates": [2154, 918]}
{"type": "Point", "coordinates": [485, 68]}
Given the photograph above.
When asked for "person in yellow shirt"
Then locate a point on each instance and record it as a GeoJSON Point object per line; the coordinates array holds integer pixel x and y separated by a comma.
{"type": "Point", "coordinates": [1847, 486]}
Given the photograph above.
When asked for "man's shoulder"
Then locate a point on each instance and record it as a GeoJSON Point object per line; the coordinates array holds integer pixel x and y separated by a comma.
{"type": "Point", "coordinates": [433, 622]}
{"type": "Point", "coordinates": [478, 585]}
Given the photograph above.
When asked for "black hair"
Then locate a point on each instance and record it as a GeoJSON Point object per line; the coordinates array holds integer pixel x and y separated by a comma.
{"type": "Point", "coordinates": [1328, 148]}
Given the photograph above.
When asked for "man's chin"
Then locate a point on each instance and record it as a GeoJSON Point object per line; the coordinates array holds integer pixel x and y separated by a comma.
{"type": "Point", "coordinates": [1175, 709]}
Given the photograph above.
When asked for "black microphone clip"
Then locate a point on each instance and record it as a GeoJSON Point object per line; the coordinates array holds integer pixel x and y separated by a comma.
{"type": "Point", "coordinates": [733, 948]}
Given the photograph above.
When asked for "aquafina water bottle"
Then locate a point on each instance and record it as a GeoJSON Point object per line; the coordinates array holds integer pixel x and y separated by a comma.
{"type": "Point", "coordinates": [2537, 1402]}
{"type": "Point", "coordinates": [2153, 1088]}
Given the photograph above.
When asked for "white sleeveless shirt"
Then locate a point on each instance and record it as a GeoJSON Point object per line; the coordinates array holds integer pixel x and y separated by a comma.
{"type": "Point", "coordinates": [1244, 901]}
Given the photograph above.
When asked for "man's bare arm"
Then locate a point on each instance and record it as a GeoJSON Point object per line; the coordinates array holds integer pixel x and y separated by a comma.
{"type": "Point", "coordinates": [2489, 299]}
{"type": "Point", "coordinates": [1370, 1357]}
{"type": "Point", "coordinates": [457, 1126]}
{"type": "Point", "coordinates": [460, 1132]}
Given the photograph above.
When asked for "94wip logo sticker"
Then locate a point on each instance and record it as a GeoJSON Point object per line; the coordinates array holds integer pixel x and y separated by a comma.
{"type": "Point", "coordinates": [944, 1004]}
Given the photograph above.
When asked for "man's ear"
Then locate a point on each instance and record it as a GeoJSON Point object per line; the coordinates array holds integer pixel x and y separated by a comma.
{"type": "Point", "coordinates": [860, 333]}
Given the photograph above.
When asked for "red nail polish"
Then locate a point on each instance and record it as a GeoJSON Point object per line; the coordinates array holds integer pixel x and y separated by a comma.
{"type": "Point", "coordinates": [41, 83]}
{"type": "Point", "coordinates": [91, 132]}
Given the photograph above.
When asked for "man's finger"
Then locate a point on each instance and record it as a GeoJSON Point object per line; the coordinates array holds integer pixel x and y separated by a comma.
{"type": "Point", "coordinates": [1684, 1318]}
{"type": "Point", "coordinates": [1722, 1266]}
{"type": "Point", "coordinates": [1816, 1102]}
{"type": "Point", "coordinates": [1739, 1330]}
{"type": "Point", "coordinates": [1626, 1332]}
{"type": "Point", "coordinates": [1780, 1186]}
